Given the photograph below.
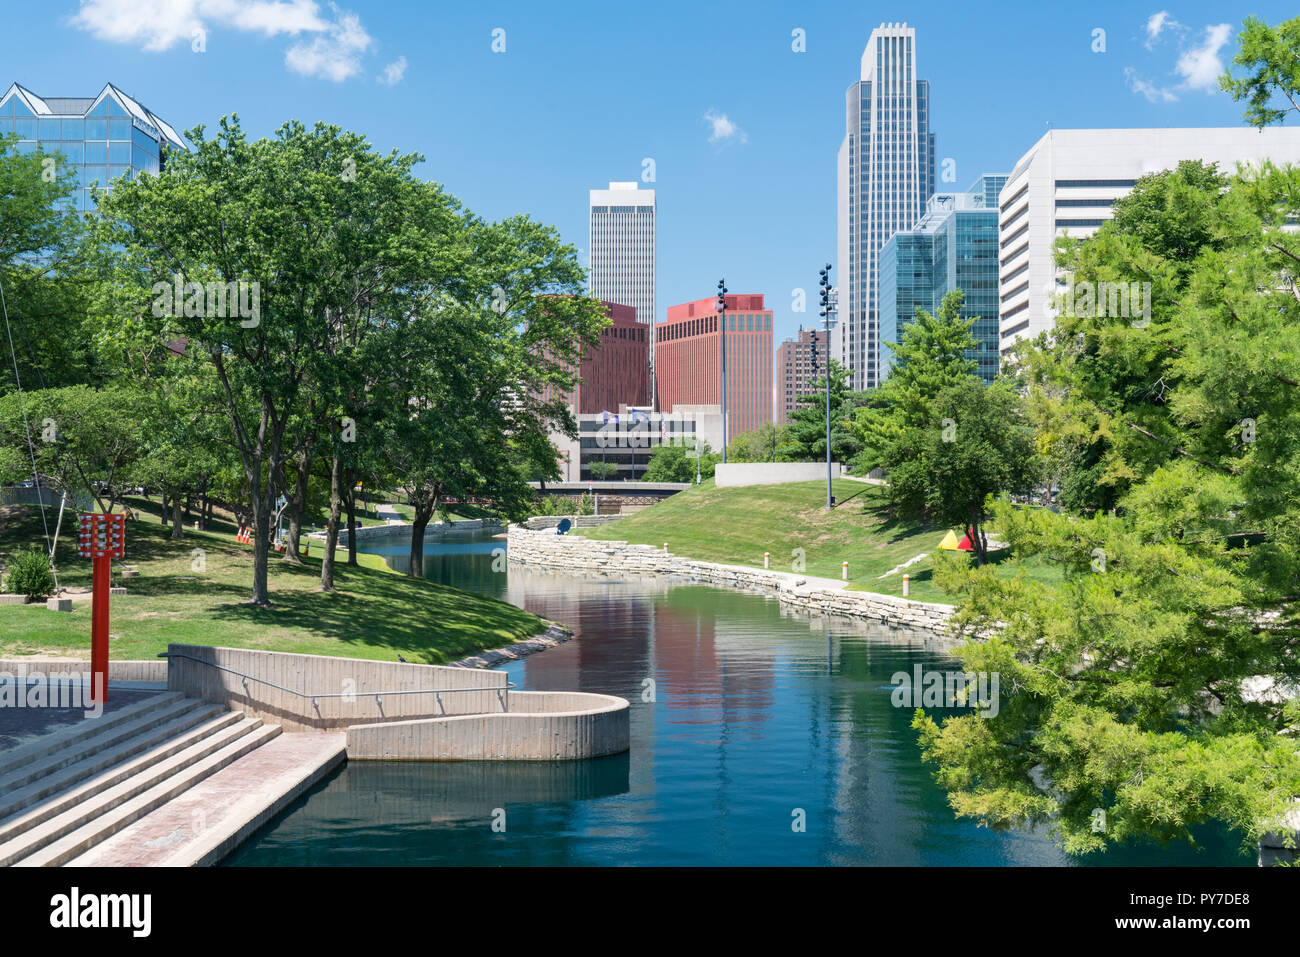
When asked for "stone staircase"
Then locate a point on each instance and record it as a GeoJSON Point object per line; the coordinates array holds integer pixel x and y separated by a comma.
{"type": "Point", "coordinates": [68, 791]}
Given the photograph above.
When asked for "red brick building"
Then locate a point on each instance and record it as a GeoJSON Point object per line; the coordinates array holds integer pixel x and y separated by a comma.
{"type": "Point", "coordinates": [688, 359]}
{"type": "Point", "coordinates": [618, 372]}
{"type": "Point", "coordinates": [796, 371]}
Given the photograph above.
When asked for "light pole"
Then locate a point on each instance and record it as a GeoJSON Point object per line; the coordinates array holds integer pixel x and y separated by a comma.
{"type": "Point", "coordinates": [722, 320]}
{"type": "Point", "coordinates": [827, 310]}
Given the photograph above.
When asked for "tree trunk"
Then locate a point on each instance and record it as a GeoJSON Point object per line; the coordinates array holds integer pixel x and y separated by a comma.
{"type": "Point", "coordinates": [423, 512]}
{"type": "Point", "coordinates": [162, 511]}
{"type": "Point", "coordinates": [332, 527]}
{"type": "Point", "coordinates": [178, 521]}
{"type": "Point", "coordinates": [261, 550]}
{"type": "Point", "coordinates": [351, 500]}
{"type": "Point", "coordinates": [297, 507]}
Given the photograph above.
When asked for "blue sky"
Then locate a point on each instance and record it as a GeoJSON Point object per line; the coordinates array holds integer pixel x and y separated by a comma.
{"type": "Point", "coordinates": [584, 92]}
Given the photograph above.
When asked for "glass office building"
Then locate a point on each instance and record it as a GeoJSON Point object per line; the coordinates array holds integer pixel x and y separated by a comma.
{"type": "Point", "coordinates": [954, 246]}
{"type": "Point", "coordinates": [103, 137]}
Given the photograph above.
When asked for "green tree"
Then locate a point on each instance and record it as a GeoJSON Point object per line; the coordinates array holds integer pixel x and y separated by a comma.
{"type": "Point", "coordinates": [804, 437]}
{"type": "Point", "coordinates": [601, 471]}
{"type": "Point", "coordinates": [1118, 370]}
{"type": "Point", "coordinates": [675, 462]}
{"type": "Point", "coordinates": [762, 444]}
{"type": "Point", "coordinates": [476, 370]}
{"type": "Point", "coordinates": [930, 357]}
{"type": "Point", "coordinates": [312, 232]}
{"type": "Point", "coordinates": [43, 273]}
{"type": "Point", "coordinates": [1152, 685]}
{"type": "Point", "coordinates": [84, 441]}
{"type": "Point", "coordinates": [1272, 54]}
{"type": "Point", "coordinates": [979, 445]}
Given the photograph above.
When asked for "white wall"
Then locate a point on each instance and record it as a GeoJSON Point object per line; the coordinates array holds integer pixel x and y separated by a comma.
{"type": "Point", "coordinates": [737, 474]}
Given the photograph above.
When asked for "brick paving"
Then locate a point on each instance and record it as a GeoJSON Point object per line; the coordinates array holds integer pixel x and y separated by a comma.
{"type": "Point", "coordinates": [199, 823]}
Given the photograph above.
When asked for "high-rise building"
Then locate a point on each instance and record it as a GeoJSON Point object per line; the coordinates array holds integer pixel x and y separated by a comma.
{"type": "Point", "coordinates": [954, 246]}
{"type": "Point", "coordinates": [622, 244]}
{"type": "Point", "coordinates": [690, 359]}
{"type": "Point", "coordinates": [797, 368]}
{"type": "Point", "coordinates": [1065, 186]}
{"type": "Point", "coordinates": [614, 372]}
{"type": "Point", "coordinates": [886, 176]}
{"type": "Point", "coordinates": [101, 137]}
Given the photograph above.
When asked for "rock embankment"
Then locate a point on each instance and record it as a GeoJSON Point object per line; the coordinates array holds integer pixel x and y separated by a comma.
{"type": "Point", "coordinates": [818, 595]}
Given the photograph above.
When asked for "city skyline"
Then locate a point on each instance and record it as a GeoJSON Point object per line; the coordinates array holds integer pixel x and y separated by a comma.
{"type": "Point", "coordinates": [752, 148]}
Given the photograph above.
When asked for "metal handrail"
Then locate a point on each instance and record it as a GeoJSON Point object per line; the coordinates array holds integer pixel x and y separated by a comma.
{"type": "Point", "coordinates": [503, 692]}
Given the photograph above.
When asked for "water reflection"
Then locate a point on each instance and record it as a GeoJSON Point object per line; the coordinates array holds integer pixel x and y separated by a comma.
{"type": "Point", "coordinates": [745, 716]}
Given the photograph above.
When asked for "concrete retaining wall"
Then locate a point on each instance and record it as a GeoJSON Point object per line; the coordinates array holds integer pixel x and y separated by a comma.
{"type": "Point", "coordinates": [151, 670]}
{"type": "Point", "coordinates": [320, 675]}
{"type": "Point", "coordinates": [578, 521]}
{"type": "Point", "coordinates": [541, 726]}
{"type": "Point", "coordinates": [569, 551]}
{"type": "Point", "coordinates": [737, 474]}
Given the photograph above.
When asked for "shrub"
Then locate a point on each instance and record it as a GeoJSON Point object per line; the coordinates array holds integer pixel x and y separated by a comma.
{"type": "Point", "coordinates": [562, 505]}
{"type": "Point", "coordinates": [30, 575]}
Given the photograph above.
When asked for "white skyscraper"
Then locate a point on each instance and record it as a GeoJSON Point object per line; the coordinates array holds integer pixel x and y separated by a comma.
{"type": "Point", "coordinates": [622, 266]}
{"type": "Point", "coordinates": [1065, 186]}
{"type": "Point", "coordinates": [886, 177]}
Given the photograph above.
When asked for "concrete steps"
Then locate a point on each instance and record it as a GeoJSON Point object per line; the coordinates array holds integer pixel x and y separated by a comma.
{"type": "Point", "coordinates": [183, 736]}
{"type": "Point", "coordinates": [57, 740]}
{"type": "Point", "coordinates": [94, 752]}
{"type": "Point", "coordinates": [87, 785]}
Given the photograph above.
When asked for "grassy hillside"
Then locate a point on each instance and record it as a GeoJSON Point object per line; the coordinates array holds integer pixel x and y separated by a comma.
{"type": "Point", "coordinates": [736, 525]}
{"type": "Point", "coordinates": [373, 613]}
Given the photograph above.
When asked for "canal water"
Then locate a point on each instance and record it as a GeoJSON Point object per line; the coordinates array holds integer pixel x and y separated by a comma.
{"type": "Point", "coordinates": [759, 736]}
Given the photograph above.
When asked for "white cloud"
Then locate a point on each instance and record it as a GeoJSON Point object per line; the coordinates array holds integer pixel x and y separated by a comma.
{"type": "Point", "coordinates": [394, 72]}
{"type": "Point", "coordinates": [1201, 67]}
{"type": "Point", "coordinates": [1156, 23]}
{"type": "Point", "coordinates": [160, 24]}
{"type": "Point", "coordinates": [724, 130]}
{"type": "Point", "coordinates": [1156, 94]}
{"type": "Point", "coordinates": [336, 55]}
{"type": "Point", "coordinates": [334, 50]}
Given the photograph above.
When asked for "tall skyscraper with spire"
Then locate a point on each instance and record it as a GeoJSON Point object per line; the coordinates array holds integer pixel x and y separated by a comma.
{"type": "Point", "coordinates": [886, 177]}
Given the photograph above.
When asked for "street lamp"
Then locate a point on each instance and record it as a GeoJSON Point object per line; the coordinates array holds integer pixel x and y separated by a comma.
{"type": "Point", "coordinates": [827, 310]}
{"type": "Point", "coordinates": [722, 320]}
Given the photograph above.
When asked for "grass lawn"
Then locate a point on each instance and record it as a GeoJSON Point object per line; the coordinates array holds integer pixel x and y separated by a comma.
{"type": "Point", "coordinates": [372, 613]}
{"type": "Point", "coordinates": [735, 526]}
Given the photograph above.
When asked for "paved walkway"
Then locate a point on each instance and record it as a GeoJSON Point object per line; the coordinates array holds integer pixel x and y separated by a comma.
{"type": "Point", "coordinates": [205, 823]}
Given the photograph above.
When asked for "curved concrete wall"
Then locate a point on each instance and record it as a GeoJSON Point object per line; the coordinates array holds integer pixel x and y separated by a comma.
{"type": "Point", "coordinates": [540, 726]}
{"type": "Point", "coordinates": [356, 678]}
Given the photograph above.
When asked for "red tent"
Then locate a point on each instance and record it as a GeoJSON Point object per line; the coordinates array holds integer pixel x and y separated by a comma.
{"type": "Point", "coordinates": [965, 543]}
